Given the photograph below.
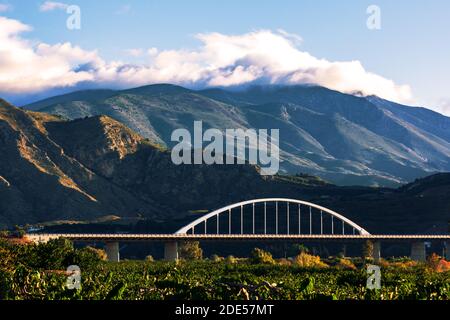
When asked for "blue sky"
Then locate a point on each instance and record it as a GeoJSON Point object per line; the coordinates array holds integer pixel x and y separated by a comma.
{"type": "Point", "coordinates": [411, 49]}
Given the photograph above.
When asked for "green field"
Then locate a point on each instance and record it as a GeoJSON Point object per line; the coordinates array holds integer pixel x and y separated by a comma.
{"type": "Point", "coordinates": [37, 272]}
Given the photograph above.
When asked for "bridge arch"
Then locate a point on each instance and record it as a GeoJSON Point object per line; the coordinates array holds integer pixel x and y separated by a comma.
{"type": "Point", "coordinates": [301, 205]}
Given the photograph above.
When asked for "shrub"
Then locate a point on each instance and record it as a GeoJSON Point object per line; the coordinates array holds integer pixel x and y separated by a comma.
{"type": "Point", "coordinates": [88, 257]}
{"type": "Point", "coordinates": [20, 231]}
{"type": "Point", "coordinates": [190, 250]}
{"type": "Point", "coordinates": [216, 258]}
{"type": "Point", "coordinates": [285, 262]}
{"type": "Point", "coordinates": [7, 258]}
{"type": "Point", "coordinates": [404, 265]}
{"type": "Point", "coordinates": [437, 263]}
{"type": "Point", "coordinates": [309, 261]}
{"type": "Point", "coordinates": [346, 264]}
{"type": "Point", "coordinates": [4, 233]}
{"type": "Point", "coordinates": [399, 263]}
{"type": "Point", "coordinates": [261, 256]}
{"type": "Point", "coordinates": [99, 252]}
{"type": "Point", "coordinates": [231, 260]}
{"type": "Point", "coordinates": [56, 254]}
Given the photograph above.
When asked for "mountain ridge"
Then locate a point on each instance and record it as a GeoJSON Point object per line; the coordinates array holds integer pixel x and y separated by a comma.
{"type": "Point", "coordinates": [343, 138]}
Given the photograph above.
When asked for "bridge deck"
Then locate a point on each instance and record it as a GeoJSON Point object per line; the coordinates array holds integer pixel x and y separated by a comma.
{"type": "Point", "coordinates": [228, 237]}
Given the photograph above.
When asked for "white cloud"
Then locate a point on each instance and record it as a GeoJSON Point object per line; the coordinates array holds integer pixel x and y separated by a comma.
{"type": "Point", "coordinates": [295, 38]}
{"type": "Point", "coordinates": [134, 52]}
{"type": "Point", "coordinates": [139, 52]}
{"type": "Point", "coordinates": [27, 68]}
{"type": "Point", "coordinates": [443, 106]}
{"type": "Point", "coordinates": [152, 52]}
{"type": "Point", "coordinates": [221, 60]}
{"type": "Point", "coordinates": [5, 7]}
{"type": "Point", "coordinates": [52, 5]}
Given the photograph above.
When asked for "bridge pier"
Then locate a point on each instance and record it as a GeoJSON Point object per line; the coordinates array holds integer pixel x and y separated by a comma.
{"type": "Point", "coordinates": [112, 251]}
{"type": "Point", "coordinates": [447, 250]}
{"type": "Point", "coordinates": [418, 251]}
{"type": "Point", "coordinates": [376, 254]}
{"type": "Point", "coordinates": [171, 251]}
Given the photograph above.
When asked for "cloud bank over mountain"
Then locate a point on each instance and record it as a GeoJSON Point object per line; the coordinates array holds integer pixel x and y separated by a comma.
{"type": "Point", "coordinates": [261, 57]}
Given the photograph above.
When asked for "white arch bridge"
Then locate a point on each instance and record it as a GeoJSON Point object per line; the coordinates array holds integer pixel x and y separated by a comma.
{"type": "Point", "coordinates": [271, 219]}
{"type": "Point", "coordinates": [275, 216]}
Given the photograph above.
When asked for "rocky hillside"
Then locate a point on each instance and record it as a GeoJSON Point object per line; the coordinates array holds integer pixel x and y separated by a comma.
{"type": "Point", "coordinates": [94, 167]}
{"type": "Point", "coordinates": [41, 181]}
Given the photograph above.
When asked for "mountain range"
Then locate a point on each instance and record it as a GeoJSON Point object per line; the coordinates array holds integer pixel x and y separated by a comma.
{"type": "Point", "coordinates": [342, 138]}
{"type": "Point", "coordinates": [95, 167]}
{"type": "Point", "coordinates": [89, 168]}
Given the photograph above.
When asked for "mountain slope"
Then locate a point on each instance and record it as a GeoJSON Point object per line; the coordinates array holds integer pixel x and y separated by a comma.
{"type": "Point", "coordinates": [343, 138]}
{"type": "Point", "coordinates": [85, 169]}
{"type": "Point", "coordinates": [153, 111]}
{"type": "Point", "coordinates": [94, 167]}
{"type": "Point", "coordinates": [381, 138]}
{"type": "Point", "coordinates": [85, 95]}
{"type": "Point", "coordinates": [41, 182]}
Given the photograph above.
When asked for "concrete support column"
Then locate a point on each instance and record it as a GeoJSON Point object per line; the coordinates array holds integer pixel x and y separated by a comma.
{"type": "Point", "coordinates": [447, 250]}
{"type": "Point", "coordinates": [418, 252]}
{"type": "Point", "coordinates": [171, 251]}
{"type": "Point", "coordinates": [112, 251]}
{"type": "Point", "coordinates": [376, 254]}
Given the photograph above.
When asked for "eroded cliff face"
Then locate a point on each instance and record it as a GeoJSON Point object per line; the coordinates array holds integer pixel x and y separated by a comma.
{"type": "Point", "coordinates": [42, 182]}
{"type": "Point", "coordinates": [100, 143]}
